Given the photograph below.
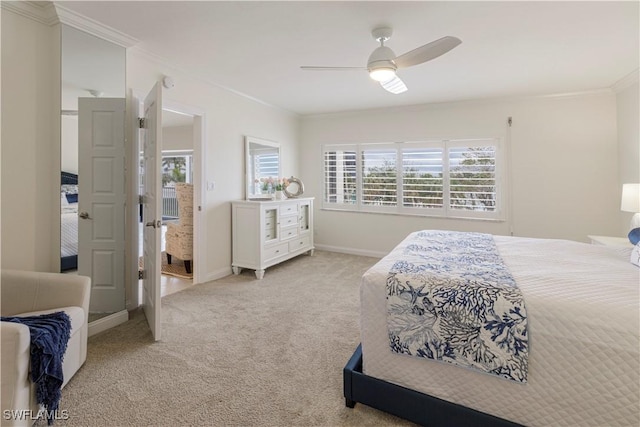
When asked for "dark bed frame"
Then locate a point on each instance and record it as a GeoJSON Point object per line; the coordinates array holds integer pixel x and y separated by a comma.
{"type": "Point", "coordinates": [409, 404]}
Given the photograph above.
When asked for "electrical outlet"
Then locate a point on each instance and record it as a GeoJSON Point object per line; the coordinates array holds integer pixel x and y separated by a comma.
{"type": "Point", "coordinates": [211, 185]}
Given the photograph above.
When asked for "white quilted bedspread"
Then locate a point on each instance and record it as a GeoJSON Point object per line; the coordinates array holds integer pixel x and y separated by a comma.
{"type": "Point", "coordinates": [69, 230]}
{"type": "Point", "coordinates": [584, 362]}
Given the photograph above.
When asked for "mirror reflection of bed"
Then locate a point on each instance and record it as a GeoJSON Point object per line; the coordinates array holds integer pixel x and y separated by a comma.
{"type": "Point", "coordinates": [69, 222]}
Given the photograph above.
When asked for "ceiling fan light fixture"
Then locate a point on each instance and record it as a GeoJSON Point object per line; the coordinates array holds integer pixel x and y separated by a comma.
{"type": "Point", "coordinates": [382, 74]}
{"type": "Point", "coordinates": [380, 64]}
{"type": "Point", "coordinates": [383, 62]}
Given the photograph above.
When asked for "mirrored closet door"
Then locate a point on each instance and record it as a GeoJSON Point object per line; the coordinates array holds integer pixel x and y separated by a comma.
{"type": "Point", "coordinates": [91, 68]}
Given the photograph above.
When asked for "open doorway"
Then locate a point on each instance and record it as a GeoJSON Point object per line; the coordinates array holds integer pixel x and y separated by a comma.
{"type": "Point", "coordinates": [187, 116]}
{"type": "Point", "coordinates": [177, 176]}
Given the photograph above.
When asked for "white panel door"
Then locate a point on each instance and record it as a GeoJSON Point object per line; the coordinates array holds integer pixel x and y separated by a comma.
{"type": "Point", "coordinates": [152, 209]}
{"type": "Point", "coordinates": [101, 201]}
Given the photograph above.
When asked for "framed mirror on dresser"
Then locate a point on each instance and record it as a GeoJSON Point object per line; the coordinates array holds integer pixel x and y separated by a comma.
{"type": "Point", "coordinates": [267, 229]}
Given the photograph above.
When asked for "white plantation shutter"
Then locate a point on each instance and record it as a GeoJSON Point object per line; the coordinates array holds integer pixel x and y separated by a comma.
{"type": "Point", "coordinates": [449, 178]}
{"type": "Point", "coordinates": [422, 177]}
{"type": "Point", "coordinates": [472, 176]}
{"type": "Point", "coordinates": [379, 186]}
{"type": "Point", "coordinates": [340, 174]}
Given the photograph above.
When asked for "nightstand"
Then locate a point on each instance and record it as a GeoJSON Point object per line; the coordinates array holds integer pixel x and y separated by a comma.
{"type": "Point", "coordinates": [610, 241]}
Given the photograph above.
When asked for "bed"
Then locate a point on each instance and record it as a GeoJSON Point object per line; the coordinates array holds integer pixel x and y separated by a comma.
{"type": "Point", "coordinates": [68, 221]}
{"type": "Point", "coordinates": [582, 310]}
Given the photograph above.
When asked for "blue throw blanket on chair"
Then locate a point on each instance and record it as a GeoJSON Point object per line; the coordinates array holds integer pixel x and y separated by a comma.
{"type": "Point", "coordinates": [49, 338]}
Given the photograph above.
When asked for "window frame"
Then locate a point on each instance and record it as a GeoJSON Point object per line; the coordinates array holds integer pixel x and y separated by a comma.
{"type": "Point", "coordinates": [445, 211]}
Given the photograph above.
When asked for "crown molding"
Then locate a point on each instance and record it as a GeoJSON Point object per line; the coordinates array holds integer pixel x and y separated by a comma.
{"type": "Point", "coordinates": [39, 11]}
{"type": "Point", "coordinates": [52, 13]}
{"type": "Point", "coordinates": [628, 80]}
{"type": "Point", "coordinates": [93, 27]}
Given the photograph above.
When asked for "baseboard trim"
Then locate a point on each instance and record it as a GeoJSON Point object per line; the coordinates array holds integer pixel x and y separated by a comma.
{"type": "Point", "coordinates": [108, 322]}
{"type": "Point", "coordinates": [215, 275]}
{"type": "Point", "coordinates": [351, 251]}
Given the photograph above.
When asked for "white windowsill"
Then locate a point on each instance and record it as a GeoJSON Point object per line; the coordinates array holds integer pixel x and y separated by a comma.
{"type": "Point", "coordinates": [412, 214]}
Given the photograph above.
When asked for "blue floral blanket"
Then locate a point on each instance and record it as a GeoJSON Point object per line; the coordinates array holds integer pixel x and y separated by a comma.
{"type": "Point", "coordinates": [451, 298]}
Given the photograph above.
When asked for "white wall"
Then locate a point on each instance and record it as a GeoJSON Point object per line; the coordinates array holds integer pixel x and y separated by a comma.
{"type": "Point", "coordinates": [628, 143]}
{"type": "Point", "coordinates": [30, 135]}
{"type": "Point", "coordinates": [564, 180]}
{"type": "Point", "coordinates": [177, 138]}
{"type": "Point", "coordinates": [69, 144]}
{"type": "Point", "coordinates": [229, 117]}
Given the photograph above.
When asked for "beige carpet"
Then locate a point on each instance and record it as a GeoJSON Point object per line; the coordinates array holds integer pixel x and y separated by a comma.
{"type": "Point", "coordinates": [235, 352]}
{"type": "Point", "coordinates": [176, 268]}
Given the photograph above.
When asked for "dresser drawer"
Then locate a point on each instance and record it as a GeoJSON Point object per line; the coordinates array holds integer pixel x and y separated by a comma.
{"type": "Point", "coordinates": [276, 251]}
{"type": "Point", "coordinates": [300, 243]}
{"type": "Point", "coordinates": [288, 232]}
{"type": "Point", "coordinates": [288, 221]}
{"type": "Point", "coordinates": [288, 209]}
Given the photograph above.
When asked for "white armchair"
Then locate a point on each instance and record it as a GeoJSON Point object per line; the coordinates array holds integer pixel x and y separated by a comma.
{"type": "Point", "coordinates": [25, 293]}
{"type": "Point", "coordinates": [179, 237]}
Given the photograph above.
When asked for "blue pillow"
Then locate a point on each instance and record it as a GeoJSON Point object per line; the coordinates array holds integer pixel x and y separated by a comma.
{"type": "Point", "coordinates": [634, 236]}
{"type": "Point", "coordinates": [72, 198]}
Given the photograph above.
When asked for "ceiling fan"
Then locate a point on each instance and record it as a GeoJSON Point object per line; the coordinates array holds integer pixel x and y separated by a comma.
{"type": "Point", "coordinates": [383, 62]}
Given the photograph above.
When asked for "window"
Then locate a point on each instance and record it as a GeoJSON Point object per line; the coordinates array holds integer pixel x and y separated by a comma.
{"type": "Point", "coordinates": [452, 178]}
{"type": "Point", "coordinates": [379, 186]}
{"type": "Point", "coordinates": [340, 176]}
{"type": "Point", "coordinates": [177, 166]}
{"type": "Point", "coordinates": [472, 178]}
{"type": "Point", "coordinates": [422, 178]}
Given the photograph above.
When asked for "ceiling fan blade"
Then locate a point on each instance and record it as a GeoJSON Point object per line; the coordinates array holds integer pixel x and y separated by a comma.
{"type": "Point", "coordinates": [395, 85]}
{"type": "Point", "coordinates": [313, 68]}
{"type": "Point", "coordinates": [427, 52]}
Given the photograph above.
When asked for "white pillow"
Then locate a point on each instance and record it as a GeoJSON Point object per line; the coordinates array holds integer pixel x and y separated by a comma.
{"type": "Point", "coordinates": [635, 255]}
{"type": "Point", "coordinates": [63, 199]}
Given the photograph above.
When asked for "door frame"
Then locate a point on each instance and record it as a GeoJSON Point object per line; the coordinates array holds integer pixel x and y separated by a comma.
{"type": "Point", "coordinates": [134, 100]}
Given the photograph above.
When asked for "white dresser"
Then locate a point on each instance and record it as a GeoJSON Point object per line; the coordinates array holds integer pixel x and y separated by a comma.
{"type": "Point", "coordinates": [266, 233]}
